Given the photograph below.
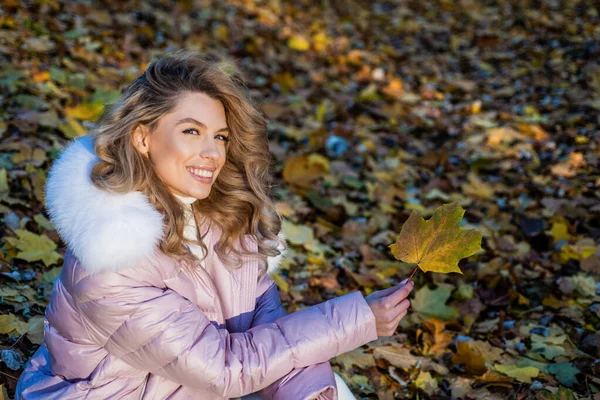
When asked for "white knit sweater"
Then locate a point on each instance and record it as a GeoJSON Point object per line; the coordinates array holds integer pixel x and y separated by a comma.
{"type": "Point", "coordinates": [189, 230]}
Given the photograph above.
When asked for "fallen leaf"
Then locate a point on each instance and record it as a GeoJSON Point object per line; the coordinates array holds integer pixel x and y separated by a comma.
{"type": "Point", "coordinates": [35, 247]}
{"type": "Point", "coordinates": [10, 324]}
{"type": "Point", "coordinates": [549, 347]}
{"type": "Point", "coordinates": [303, 170]}
{"type": "Point", "coordinates": [560, 229]}
{"type": "Point", "coordinates": [565, 372]}
{"type": "Point", "coordinates": [503, 135]}
{"type": "Point", "coordinates": [437, 244]}
{"type": "Point", "coordinates": [12, 358]}
{"type": "Point", "coordinates": [441, 338]}
{"type": "Point", "coordinates": [297, 234]}
{"type": "Point", "coordinates": [357, 357]}
{"type": "Point", "coordinates": [401, 357]}
{"type": "Point", "coordinates": [35, 329]}
{"type": "Point", "coordinates": [299, 43]}
{"type": "Point", "coordinates": [432, 303]}
{"type": "Point", "coordinates": [477, 356]}
{"type": "Point", "coordinates": [522, 374]}
{"type": "Point", "coordinates": [477, 188]}
{"type": "Point", "coordinates": [426, 383]}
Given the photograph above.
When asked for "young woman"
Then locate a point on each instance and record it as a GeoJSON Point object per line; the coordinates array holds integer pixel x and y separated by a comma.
{"type": "Point", "coordinates": [165, 291]}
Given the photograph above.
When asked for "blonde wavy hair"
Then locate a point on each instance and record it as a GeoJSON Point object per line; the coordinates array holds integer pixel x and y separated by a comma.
{"type": "Point", "coordinates": [239, 202]}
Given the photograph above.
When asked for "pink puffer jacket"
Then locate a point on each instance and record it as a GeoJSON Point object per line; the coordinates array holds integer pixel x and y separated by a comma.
{"type": "Point", "coordinates": [127, 322]}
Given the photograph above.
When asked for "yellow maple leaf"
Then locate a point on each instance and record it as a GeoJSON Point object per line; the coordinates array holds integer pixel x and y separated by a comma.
{"type": "Point", "coordinates": [9, 323]}
{"type": "Point", "coordinates": [437, 244]}
{"type": "Point", "coordinates": [34, 247]}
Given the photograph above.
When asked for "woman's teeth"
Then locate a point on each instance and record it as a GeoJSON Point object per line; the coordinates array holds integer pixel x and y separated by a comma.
{"type": "Point", "coordinates": [201, 172]}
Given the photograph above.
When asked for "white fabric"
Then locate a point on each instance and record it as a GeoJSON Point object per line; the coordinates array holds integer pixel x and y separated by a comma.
{"type": "Point", "coordinates": [190, 230]}
{"type": "Point", "coordinates": [344, 392]}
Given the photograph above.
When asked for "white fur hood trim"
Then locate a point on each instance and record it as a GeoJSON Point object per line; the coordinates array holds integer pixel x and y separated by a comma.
{"type": "Point", "coordinates": [104, 231]}
{"type": "Point", "coordinates": [273, 263]}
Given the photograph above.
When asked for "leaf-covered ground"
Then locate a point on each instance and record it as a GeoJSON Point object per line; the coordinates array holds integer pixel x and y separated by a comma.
{"type": "Point", "coordinates": [377, 108]}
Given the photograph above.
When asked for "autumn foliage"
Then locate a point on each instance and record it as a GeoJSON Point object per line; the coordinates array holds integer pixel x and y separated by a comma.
{"type": "Point", "coordinates": [380, 113]}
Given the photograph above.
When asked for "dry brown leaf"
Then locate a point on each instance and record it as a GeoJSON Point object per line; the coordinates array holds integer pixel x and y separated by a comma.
{"type": "Point", "coordinates": [441, 338]}
{"type": "Point", "coordinates": [402, 358]}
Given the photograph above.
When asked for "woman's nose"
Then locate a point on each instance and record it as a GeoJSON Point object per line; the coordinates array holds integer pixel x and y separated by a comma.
{"type": "Point", "coordinates": [210, 147]}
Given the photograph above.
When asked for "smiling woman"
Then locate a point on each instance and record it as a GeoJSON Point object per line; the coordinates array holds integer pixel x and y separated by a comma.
{"type": "Point", "coordinates": [183, 115]}
{"type": "Point", "coordinates": [172, 238]}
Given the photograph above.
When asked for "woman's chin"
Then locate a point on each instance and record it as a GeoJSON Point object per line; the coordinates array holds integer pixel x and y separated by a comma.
{"type": "Point", "coordinates": [200, 195]}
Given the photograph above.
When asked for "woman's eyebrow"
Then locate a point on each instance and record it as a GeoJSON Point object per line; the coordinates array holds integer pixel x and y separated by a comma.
{"type": "Point", "coordinates": [190, 120]}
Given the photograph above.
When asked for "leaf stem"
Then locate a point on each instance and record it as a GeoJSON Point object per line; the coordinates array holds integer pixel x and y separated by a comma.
{"type": "Point", "coordinates": [411, 275]}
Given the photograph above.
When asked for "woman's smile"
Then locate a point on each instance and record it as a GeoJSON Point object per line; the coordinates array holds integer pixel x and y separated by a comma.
{"type": "Point", "coordinates": [201, 175]}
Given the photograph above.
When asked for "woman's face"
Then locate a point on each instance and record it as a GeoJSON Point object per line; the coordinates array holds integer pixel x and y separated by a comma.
{"type": "Point", "coordinates": [188, 147]}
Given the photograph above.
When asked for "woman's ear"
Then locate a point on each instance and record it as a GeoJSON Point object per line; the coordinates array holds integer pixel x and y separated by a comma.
{"type": "Point", "coordinates": [140, 140]}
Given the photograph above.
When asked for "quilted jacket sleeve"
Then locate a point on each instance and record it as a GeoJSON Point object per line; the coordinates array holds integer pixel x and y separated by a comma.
{"type": "Point", "coordinates": [167, 335]}
{"type": "Point", "coordinates": [314, 382]}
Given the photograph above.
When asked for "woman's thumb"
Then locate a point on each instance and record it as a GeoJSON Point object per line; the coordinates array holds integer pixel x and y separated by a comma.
{"type": "Point", "coordinates": [388, 291]}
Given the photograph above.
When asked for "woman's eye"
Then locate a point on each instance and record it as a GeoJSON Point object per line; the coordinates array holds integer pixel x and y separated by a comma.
{"type": "Point", "coordinates": [188, 131]}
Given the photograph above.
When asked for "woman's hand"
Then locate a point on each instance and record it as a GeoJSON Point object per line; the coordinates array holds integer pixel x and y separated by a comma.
{"type": "Point", "coordinates": [389, 306]}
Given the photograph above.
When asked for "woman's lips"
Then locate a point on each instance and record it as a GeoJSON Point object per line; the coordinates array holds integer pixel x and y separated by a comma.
{"type": "Point", "coordinates": [201, 179]}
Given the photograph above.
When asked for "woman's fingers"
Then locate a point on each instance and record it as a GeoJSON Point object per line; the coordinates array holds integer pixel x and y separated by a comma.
{"type": "Point", "coordinates": [400, 308]}
{"type": "Point", "coordinates": [403, 305]}
{"type": "Point", "coordinates": [388, 328]}
{"type": "Point", "coordinates": [386, 292]}
{"type": "Point", "coordinates": [399, 294]}
{"type": "Point", "coordinates": [393, 316]}
{"type": "Point", "coordinates": [389, 306]}
{"type": "Point", "coordinates": [398, 319]}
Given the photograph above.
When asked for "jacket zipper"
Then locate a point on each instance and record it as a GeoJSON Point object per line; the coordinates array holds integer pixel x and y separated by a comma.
{"type": "Point", "coordinates": [197, 268]}
{"type": "Point", "coordinates": [200, 269]}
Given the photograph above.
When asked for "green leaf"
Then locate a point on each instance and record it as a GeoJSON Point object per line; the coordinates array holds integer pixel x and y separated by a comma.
{"type": "Point", "coordinates": [44, 222]}
{"type": "Point", "coordinates": [35, 329]}
{"type": "Point", "coordinates": [548, 346]}
{"type": "Point", "coordinates": [561, 394]}
{"type": "Point", "coordinates": [297, 234]}
{"type": "Point", "coordinates": [52, 275]}
{"type": "Point", "coordinates": [565, 373]}
{"type": "Point", "coordinates": [4, 189]}
{"type": "Point", "coordinates": [437, 244]}
{"type": "Point", "coordinates": [432, 303]}
{"type": "Point", "coordinates": [522, 374]}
